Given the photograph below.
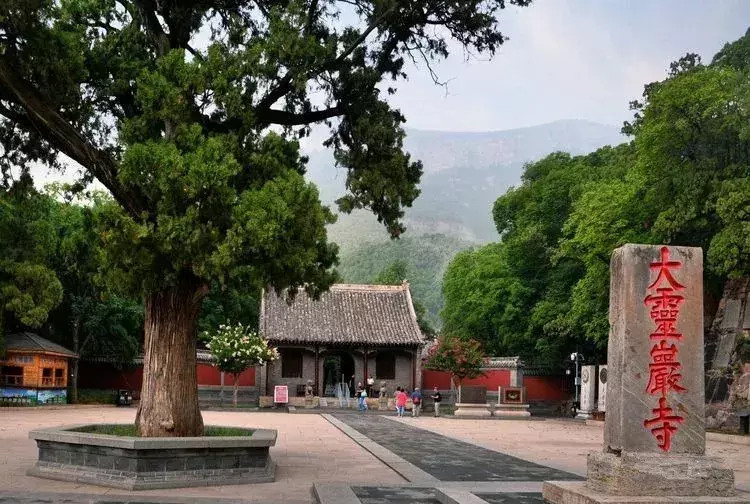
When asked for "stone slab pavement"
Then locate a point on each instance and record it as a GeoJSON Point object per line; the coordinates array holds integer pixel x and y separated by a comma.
{"type": "Point", "coordinates": [308, 449]}
{"type": "Point", "coordinates": [561, 444]}
{"type": "Point", "coordinates": [446, 458]}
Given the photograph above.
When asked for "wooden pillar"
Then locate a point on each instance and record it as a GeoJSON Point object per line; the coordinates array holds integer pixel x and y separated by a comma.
{"type": "Point", "coordinates": [317, 371]}
{"type": "Point", "coordinates": [365, 371]}
{"type": "Point", "coordinates": [413, 369]}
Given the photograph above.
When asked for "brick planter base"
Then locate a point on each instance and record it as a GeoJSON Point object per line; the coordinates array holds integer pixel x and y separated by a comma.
{"type": "Point", "coordinates": [134, 463]}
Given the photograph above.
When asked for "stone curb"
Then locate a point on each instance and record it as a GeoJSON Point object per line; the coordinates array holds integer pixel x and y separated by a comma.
{"type": "Point", "coordinates": [448, 492]}
{"type": "Point", "coordinates": [260, 438]}
{"type": "Point", "coordinates": [406, 469]}
{"type": "Point", "coordinates": [728, 438]}
{"type": "Point", "coordinates": [80, 498]}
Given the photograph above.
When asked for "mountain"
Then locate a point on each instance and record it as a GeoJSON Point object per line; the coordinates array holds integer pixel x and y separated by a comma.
{"type": "Point", "coordinates": [464, 173]}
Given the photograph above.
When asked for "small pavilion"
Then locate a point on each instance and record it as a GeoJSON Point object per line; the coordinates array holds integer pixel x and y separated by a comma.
{"type": "Point", "coordinates": [33, 370]}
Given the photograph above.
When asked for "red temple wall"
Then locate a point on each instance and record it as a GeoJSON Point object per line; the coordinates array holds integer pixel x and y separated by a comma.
{"type": "Point", "coordinates": [538, 388]}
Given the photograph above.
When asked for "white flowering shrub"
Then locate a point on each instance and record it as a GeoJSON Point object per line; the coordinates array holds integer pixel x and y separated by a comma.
{"type": "Point", "coordinates": [236, 348]}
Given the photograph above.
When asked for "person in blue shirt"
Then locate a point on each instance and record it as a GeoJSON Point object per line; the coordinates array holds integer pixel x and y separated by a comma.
{"type": "Point", "coordinates": [416, 400]}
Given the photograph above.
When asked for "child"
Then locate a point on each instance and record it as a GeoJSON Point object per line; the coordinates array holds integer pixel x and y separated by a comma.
{"type": "Point", "coordinates": [400, 401]}
{"type": "Point", "coordinates": [363, 400]}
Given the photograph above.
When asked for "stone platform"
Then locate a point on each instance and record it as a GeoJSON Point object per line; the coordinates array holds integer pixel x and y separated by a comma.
{"type": "Point", "coordinates": [512, 410]}
{"type": "Point", "coordinates": [134, 463]}
{"type": "Point", "coordinates": [472, 410]}
{"type": "Point", "coordinates": [576, 492]}
{"type": "Point", "coordinates": [647, 477]}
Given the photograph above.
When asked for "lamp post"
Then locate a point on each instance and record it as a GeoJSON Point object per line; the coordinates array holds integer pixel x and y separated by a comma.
{"type": "Point", "coordinates": [576, 358]}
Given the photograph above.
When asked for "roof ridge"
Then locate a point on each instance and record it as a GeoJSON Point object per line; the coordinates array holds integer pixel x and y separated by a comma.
{"type": "Point", "coordinates": [369, 287]}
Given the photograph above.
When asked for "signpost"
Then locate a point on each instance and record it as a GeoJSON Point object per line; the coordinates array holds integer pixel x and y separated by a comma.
{"type": "Point", "coordinates": [280, 394]}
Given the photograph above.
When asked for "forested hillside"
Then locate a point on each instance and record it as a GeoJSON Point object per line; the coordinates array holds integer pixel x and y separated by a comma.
{"type": "Point", "coordinates": [464, 174]}
{"type": "Point", "coordinates": [425, 258]}
{"type": "Point", "coordinates": [684, 179]}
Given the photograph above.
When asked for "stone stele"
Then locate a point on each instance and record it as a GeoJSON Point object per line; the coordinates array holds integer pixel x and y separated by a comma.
{"type": "Point", "coordinates": [654, 431]}
{"type": "Point", "coordinates": [602, 402]}
{"type": "Point", "coordinates": [588, 392]}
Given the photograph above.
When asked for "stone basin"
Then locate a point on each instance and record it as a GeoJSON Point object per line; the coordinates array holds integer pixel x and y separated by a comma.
{"type": "Point", "coordinates": [136, 463]}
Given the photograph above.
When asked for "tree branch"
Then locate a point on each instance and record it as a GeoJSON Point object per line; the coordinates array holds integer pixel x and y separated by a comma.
{"type": "Point", "coordinates": [54, 128]}
{"type": "Point", "coordinates": [283, 118]}
{"type": "Point", "coordinates": [285, 84]}
{"type": "Point", "coordinates": [153, 26]}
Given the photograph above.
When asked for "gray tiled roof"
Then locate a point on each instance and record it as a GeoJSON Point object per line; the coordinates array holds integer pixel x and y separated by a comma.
{"type": "Point", "coordinates": [30, 342]}
{"type": "Point", "coordinates": [346, 314]}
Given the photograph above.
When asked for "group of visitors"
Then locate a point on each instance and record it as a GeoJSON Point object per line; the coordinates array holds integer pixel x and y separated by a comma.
{"type": "Point", "coordinates": [401, 396]}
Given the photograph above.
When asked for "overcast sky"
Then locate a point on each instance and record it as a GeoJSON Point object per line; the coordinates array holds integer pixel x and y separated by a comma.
{"type": "Point", "coordinates": [570, 59]}
{"type": "Point", "coordinates": [565, 59]}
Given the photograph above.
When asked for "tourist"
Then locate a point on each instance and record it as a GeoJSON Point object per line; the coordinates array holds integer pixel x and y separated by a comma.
{"type": "Point", "coordinates": [436, 397]}
{"type": "Point", "coordinates": [363, 400]}
{"type": "Point", "coordinates": [358, 395]}
{"type": "Point", "coordinates": [416, 401]}
{"type": "Point", "coordinates": [400, 401]}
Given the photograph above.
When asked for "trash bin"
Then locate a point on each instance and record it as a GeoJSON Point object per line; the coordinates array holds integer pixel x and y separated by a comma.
{"type": "Point", "coordinates": [124, 398]}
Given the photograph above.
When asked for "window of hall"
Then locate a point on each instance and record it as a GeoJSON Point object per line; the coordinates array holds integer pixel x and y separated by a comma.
{"type": "Point", "coordinates": [59, 377]}
{"type": "Point", "coordinates": [291, 364]}
{"type": "Point", "coordinates": [11, 375]}
{"type": "Point", "coordinates": [385, 366]}
{"type": "Point", "coordinates": [47, 376]}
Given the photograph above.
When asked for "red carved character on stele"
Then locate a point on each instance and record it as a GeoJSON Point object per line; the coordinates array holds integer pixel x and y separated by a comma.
{"type": "Point", "coordinates": [664, 368]}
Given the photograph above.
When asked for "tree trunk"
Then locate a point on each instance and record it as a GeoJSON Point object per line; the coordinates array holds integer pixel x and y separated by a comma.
{"type": "Point", "coordinates": [169, 395]}
{"type": "Point", "coordinates": [236, 388]}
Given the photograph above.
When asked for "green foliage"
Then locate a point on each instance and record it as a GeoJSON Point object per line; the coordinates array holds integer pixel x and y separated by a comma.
{"type": "Point", "coordinates": [461, 357]}
{"type": "Point", "coordinates": [90, 320]}
{"type": "Point", "coordinates": [29, 288]}
{"type": "Point", "coordinates": [395, 274]}
{"type": "Point", "coordinates": [197, 140]}
{"type": "Point", "coordinates": [419, 259]}
{"type": "Point", "coordinates": [237, 303]}
{"type": "Point", "coordinates": [130, 430]}
{"type": "Point", "coordinates": [237, 347]}
{"type": "Point", "coordinates": [683, 180]}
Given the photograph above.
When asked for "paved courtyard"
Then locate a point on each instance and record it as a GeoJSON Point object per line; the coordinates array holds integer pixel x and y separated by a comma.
{"type": "Point", "coordinates": [514, 456]}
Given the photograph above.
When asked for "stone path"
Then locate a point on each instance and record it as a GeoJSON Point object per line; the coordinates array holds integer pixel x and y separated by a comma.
{"type": "Point", "coordinates": [445, 458]}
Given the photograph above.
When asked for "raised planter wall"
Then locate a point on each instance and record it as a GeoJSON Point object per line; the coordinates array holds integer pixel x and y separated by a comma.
{"type": "Point", "coordinates": [134, 463]}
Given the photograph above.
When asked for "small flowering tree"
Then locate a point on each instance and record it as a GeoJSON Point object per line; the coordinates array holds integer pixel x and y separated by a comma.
{"type": "Point", "coordinates": [462, 358]}
{"type": "Point", "coordinates": [236, 348]}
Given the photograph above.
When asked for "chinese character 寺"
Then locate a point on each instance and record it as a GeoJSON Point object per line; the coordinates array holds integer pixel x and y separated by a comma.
{"type": "Point", "coordinates": [663, 425]}
{"type": "Point", "coordinates": [664, 368]}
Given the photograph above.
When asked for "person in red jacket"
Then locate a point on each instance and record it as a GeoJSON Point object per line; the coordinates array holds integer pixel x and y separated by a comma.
{"type": "Point", "coordinates": [400, 401]}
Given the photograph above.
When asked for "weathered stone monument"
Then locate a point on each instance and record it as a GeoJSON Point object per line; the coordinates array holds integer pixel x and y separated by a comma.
{"type": "Point", "coordinates": [601, 405]}
{"type": "Point", "coordinates": [472, 402]}
{"type": "Point", "coordinates": [654, 433]}
{"type": "Point", "coordinates": [511, 400]}
{"type": "Point", "coordinates": [588, 392]}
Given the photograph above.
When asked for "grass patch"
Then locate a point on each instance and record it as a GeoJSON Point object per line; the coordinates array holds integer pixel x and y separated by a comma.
{"type": "Point", "coordinates": [129, 430]}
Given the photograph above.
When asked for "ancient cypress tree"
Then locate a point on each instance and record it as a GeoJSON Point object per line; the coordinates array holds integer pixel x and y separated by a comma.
{"type": "Point", "coordinates": [189, 111]}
